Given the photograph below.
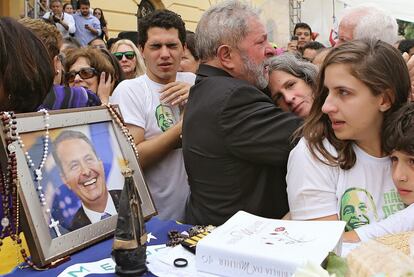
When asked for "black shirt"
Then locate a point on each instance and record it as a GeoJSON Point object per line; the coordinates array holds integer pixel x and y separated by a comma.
{"type": "Point", "coordinates": [236, 144]}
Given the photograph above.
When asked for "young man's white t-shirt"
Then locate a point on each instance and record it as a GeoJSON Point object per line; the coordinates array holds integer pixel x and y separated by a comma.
{"type": "Point", "coordinates": [139, 101]}
{"type": "Point", "coordinates": [361, 195]}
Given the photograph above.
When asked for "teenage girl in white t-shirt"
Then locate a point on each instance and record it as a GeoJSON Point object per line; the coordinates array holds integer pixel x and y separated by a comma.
{"type": "Point", "coordinates": [338, 170]}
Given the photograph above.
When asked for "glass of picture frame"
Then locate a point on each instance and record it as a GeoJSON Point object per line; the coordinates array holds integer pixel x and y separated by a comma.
{"type": "Point", "coordinates": [80, 182]}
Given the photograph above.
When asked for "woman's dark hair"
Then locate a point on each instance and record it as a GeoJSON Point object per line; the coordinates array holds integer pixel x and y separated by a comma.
{"type": "Point", "coordinates": [111, 42]}
{"type": "Point", "coordinates": [70, 43]}
{"type": "Point", "coordinates": [64, 6]}
{"type": "Point", "coordinates": [102, 20]}
{"type": "Point", "coordinates": [190, 43]}
{"type": "Point", "coordinates": [118, 75]}
{"type": "Point", "coordinates": [381, 68]}
{"type": "Point", "coordinates": [26, 72]}
{"type": "Point", "coordinates": [399, 131]}
{"type": "Point", "coordinates": [405, 45]}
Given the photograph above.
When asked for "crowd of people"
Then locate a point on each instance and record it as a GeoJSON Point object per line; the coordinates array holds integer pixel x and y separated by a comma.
{"type": "Point", "coordinates": [223, 124]}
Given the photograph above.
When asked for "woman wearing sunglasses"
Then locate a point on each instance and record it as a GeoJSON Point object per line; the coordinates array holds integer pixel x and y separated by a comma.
{"type": "Point", "coordinates": [87, 67]}
{"type": "Point", "coordinates": [129, 58]}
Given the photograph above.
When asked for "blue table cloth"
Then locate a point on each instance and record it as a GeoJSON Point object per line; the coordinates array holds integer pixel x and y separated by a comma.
{"type": "Point", "coordinates": [102, 250]}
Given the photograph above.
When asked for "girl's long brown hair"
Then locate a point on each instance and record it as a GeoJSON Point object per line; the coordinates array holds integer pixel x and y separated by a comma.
{"type": "Point", "coordinates": [380, 67]}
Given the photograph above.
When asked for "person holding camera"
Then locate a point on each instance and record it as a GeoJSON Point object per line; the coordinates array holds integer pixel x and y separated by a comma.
{"type": "Point", "coordinates": [64, 22]}
{"type": "Point", "coordinates": [88, 26]}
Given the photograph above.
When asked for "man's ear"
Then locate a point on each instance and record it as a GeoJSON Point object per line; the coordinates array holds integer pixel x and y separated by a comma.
{"type": "Point", "coordinates": [387, 100]}
{"type": "Point", "coordinates": [225, 55]}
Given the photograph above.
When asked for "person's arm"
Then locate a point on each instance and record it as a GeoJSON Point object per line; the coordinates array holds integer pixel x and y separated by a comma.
{"type": "Point", "coordinates": [153, 150]}
{"type": "Point", "coordinates": [134, 111]}
{"type": "Point", "coordinates": [351, 236]}
{"type": "Point", "coordinates": [254, 128]}
{"type": "Point", "coordinates": [71, 23]}
{"type": "Point", "coordinates": [401, 221]}
{"type": "Point", "coordinates": [311, 186]}
{"type": "Point", "coordinates": [92, 29]}
{"type": "Point", "coordinates": [105, 32]}
{"type": "Point", "coordinates": [96, 27]}
{"type": "Point", "coordinates": [64, 24]}
{"type": "Point", "coordinates": [47, 16]}
{"type": "Point", "coordinates": [175, 93]}
{"type": "Point", "coordinates": [326, 218]}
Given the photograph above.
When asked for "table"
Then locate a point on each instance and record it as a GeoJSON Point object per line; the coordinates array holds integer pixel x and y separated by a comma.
{"type": "Point", "coordinates": [157, 228]}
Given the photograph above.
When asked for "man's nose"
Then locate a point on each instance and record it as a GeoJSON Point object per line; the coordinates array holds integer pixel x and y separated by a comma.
{"type": "Point", "coordinates": [165, 52]}
{"type": "Point", "coordinates": [85, 170]}
{"type": "Point", "coordinates": [270, 51]}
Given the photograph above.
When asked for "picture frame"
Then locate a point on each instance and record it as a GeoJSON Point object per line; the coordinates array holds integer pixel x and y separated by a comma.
{"type": "Point", "coordinates": [78, 176]}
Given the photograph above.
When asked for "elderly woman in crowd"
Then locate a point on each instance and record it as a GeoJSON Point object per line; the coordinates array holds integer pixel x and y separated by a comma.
{"type": "Point", "coordinates": [129, 58]}
{"type": "Point", "coordinates": [292, 82]}
{"type": "Point", "coordinates": [88, 68]}
{"type": "Point", "coordinates": [61, 97]}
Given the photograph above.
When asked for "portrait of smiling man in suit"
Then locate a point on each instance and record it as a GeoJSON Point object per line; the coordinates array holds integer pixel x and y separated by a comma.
{"type": "Point", "coordinates": [83, 173]}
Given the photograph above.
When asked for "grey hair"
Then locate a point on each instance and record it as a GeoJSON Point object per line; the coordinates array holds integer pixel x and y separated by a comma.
{"type": "Point", "coordinates": [224, 23]}
{"type": "Point", "coordinates": [290, 64]}
{"type": "Point", "coordinates": [372, 22]}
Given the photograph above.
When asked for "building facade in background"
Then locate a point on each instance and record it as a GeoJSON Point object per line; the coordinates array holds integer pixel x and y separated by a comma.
{"type": "Point", "coordinates": [122, 14]}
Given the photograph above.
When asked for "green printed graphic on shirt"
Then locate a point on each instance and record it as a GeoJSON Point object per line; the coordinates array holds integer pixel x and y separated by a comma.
{"type": "Point", "coordinates": [392, 203]}
{"type": "Point", "coordinates": [165, 117]}
{"type": "Point", "coordinates": [357, 208]}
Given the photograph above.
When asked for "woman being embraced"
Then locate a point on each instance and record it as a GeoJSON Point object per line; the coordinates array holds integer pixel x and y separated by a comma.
{"type": "Point", "coordinates": [292, 82]}
{"type": "Point", "coordinates": [339, 170]}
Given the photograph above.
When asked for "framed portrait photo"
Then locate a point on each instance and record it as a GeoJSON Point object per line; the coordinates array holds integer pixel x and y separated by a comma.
{"type": "Point", "coordinates": [69, 170]}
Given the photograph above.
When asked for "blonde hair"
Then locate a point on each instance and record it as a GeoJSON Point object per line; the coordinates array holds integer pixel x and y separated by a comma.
{"type": "Point", "coordinates": [140, 65]}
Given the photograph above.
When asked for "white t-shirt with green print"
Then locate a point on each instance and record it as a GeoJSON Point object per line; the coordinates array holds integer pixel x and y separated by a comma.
{"type": "Point", "coordinates": [361, 195]}
{"type": "Point", "coordinates": [139, 102]}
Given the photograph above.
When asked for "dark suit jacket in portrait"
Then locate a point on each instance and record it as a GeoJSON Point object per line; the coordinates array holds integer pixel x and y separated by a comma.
{"type": "Point", "coordinates": [80, 219]}
{"type": "Point", "coordinates": [236, 143]}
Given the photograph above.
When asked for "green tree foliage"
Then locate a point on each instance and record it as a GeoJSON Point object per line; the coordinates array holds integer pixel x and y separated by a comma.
{"type": "Point", "coordinates": [406, 29]}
